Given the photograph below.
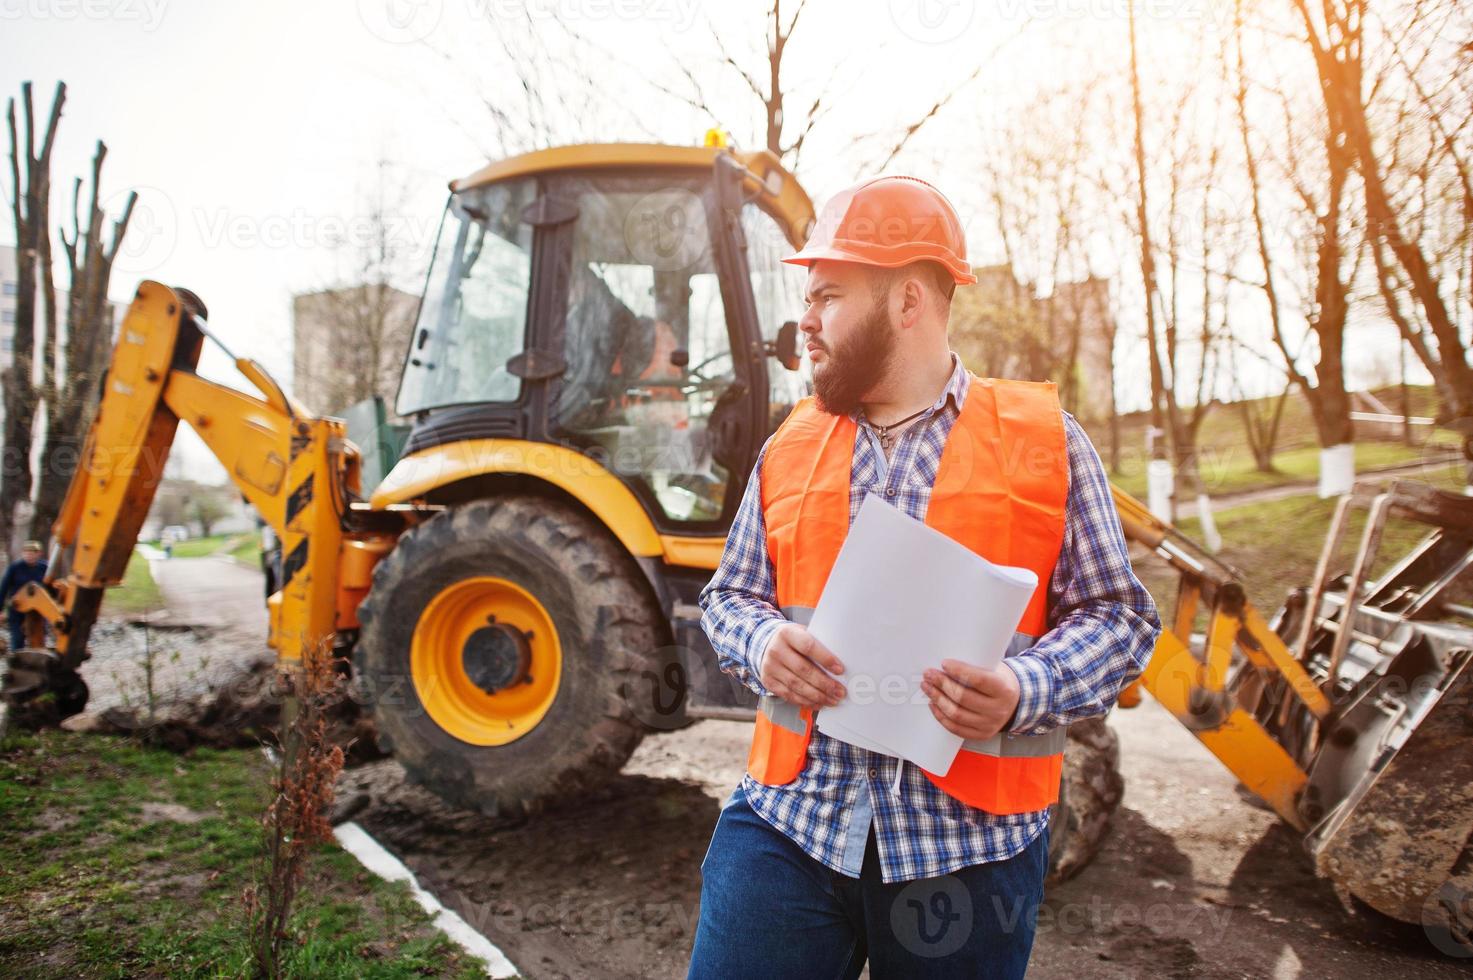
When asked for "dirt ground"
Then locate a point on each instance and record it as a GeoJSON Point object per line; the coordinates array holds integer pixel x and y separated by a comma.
{"type": "Point", "coordinates": [1193, 882]}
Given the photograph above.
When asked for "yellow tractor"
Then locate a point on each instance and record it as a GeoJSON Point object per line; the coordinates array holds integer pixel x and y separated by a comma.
{"type": "Point", "coordinates": [605, 340]}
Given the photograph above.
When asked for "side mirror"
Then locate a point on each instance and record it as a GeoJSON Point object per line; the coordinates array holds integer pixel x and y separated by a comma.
{"type": "Point", "coordinates": [785, 348]}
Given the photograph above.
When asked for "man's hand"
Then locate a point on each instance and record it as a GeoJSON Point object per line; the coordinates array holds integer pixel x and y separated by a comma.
{"type": "Point", "coordinates": [790, 669]}
{"type": "Point", "coordinates": [969, 701]}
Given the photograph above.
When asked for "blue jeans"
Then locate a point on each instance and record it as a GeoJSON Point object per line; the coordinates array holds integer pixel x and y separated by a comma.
{"type": "Point", "coordinates": [770, 910]}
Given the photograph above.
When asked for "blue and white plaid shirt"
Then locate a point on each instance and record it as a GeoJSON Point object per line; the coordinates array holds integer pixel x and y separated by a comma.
{"type": "Point", "coordinates": [1102, 628]}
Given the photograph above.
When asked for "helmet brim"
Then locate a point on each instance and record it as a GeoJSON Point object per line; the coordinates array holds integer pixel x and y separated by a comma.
{"type": "Point", "coordinates": [961, 275]}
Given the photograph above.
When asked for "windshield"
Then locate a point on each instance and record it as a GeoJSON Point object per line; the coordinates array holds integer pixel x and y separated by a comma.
{"type": "Point", "coordinates": [474, 314]}
{"type": "Point", "coordinates": [777, 290]}
{"type": "Point", "coordinates": [647, 342]}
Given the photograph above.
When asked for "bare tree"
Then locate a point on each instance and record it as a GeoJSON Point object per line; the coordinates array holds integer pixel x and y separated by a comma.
{"type": "Point", "coordinates": [1335, 33]}
{"type": "Point", "coordinates": [1035, 314]}
{"type": "Point", "coordinates": [1148, 258]}
{"type": "Point", "coordinates": [30, 178]}
{"type": "Point", "coordinates": [552, 85]}
{"type": "Point", "coordinates": [1315, 165]}
{"type": "Point", "coordinates": [206, 509]}
{"type": "Point", "coordinates": [1419, 102]}
{"type": "Point", "coordinates": [72, 363]}
{"type": "Point", "coordinates": [361, 320]}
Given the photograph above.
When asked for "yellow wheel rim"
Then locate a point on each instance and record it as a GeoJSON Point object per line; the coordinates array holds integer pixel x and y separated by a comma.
{"type": "Point", "coordinates": [485, 660]}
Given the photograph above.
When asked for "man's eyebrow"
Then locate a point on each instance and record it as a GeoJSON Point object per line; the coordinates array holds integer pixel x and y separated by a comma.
{"type": "Point", "coordinates": [817, 288]}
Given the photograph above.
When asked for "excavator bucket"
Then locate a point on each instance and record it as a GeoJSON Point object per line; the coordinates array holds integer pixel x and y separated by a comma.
{"type": "Point", "coordinates": [1352, 721]}
{"type": "Point", "coordinates": [1389, 795]}
{"type": "Point", "coordinates": [1402, 845]}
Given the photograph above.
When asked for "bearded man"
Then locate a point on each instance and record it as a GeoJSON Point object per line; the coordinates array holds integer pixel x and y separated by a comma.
{"type": "Point", "coordinates": [828, 855]}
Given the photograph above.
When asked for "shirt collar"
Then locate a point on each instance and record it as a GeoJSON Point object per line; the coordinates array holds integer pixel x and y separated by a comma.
{"type": "Point", "coordinates": [953, 395]}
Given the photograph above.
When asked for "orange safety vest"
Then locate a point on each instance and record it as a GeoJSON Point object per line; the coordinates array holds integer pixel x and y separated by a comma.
{"type": "Point", "coordinates": [1000, 490]}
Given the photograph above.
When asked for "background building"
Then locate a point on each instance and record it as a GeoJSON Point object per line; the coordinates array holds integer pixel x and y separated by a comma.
{"type": "Point", "coordinates": [1003, 330]}
{"type": "Point", "coordinates": [349, 344]}
{"type": "Point", "coordinates": [8, 291]}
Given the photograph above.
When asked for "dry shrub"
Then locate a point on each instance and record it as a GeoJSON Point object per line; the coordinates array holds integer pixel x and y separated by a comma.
{"type": "Point", "coordinates": [296, 821]}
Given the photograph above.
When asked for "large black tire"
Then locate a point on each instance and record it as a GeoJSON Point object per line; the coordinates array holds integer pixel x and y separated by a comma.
{"type": "Point", "coordinates": [608, 625]}
{"type": "Point", "coordinates": [1091, 792]}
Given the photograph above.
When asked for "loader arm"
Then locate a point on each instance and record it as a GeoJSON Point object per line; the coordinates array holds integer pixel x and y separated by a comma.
{"type": "Point", "coordinates": [1357, 735]}
{"type": "Point", "coordinates": [297, 470]}
{"type": "Point", "coordinates": [1193, 687]}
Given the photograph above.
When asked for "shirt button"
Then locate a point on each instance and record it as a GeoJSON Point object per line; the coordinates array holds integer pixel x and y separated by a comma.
{"type": "Point", "coordinates": [890, 492]}
{"type": "Point", "coordinates": [874, 773]}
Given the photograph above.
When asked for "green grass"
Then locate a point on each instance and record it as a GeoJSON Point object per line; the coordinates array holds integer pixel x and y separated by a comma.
{"type": "Point", "coordinates": [1232, 470]}
{"type": "Point", "coordinates": [199, 547]}
{"type": "Point", "coordinates": [247, 548]}
{"type": "Point", "coordinates": [1223, 426]}
{"type": "Point", "coordinates": [94, 887]}
{"type": "Point", "coordinates": [1275, 546]}
{"type": "Point", "coordinates": [1227, 463]}
{"type": "Point", "coordinates": [138, 591]}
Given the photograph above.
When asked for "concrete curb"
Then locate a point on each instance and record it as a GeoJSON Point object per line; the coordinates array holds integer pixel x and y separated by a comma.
{"type": "Point", "coordinates": [372, 855]}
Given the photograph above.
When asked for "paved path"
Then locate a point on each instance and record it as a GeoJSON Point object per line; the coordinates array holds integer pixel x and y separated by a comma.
{"type": "Point", "coordinates": [212, 626]}
{"type": "Point", "coordinates": [1188, 508]}
{"type": "Point", "coordinates": [218, 593]}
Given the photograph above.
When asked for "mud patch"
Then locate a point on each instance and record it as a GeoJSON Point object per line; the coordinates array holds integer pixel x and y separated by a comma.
{"type": "Point", "coordinates": [241, 711]}
{"type": "Point", "coordinates": [170, 812]}
{"type": "Point", "coordinates": [609, 887]}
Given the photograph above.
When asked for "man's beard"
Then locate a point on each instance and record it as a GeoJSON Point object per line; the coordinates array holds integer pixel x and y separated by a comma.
{"type": "Point", "coordinates": [856, 365]}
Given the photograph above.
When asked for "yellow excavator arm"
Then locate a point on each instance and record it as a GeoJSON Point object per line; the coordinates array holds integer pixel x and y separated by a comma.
{"type": "Point", "coordinates": [298, 470]}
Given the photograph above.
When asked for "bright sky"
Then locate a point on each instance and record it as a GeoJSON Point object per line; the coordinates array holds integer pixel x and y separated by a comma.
{"type": "Point", "coordinates": [252, 130]}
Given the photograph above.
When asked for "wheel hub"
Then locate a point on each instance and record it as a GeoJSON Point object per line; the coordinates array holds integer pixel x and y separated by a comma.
{"type": "Point", "coordinates": [485, 660]}
{"type": "Point", "coordinates": [497, 656]}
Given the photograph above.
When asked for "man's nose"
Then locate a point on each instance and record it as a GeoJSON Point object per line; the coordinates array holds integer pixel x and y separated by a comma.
{"type": "Point", "coordinates": [809, 323]}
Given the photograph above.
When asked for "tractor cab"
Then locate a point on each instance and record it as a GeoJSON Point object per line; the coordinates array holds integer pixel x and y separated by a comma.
{"type": "Point", "coordinates": [626, 302]}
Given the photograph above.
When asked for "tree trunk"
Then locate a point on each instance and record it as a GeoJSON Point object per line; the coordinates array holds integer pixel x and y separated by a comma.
{"type": "Point", "coordinates": [31, 184]}
{"type": "Point", "coordinates": [89, 329]}
{"type": "Point", "coordinates": [1337, 57]}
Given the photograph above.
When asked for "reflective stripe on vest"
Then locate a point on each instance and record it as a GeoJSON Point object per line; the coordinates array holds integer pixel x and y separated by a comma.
{"type": "Point", "coordinates": [1000, 490]}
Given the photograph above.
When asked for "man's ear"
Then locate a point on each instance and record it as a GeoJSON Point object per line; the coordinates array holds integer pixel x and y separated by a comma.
{"type": "Point", "coordinates": [912, 301]}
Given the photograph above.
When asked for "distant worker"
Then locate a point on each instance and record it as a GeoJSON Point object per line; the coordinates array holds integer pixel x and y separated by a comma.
{"type": "Point", "coordinates": [828, 854]}
{"type": "Point", "coordinates": [27, 569]}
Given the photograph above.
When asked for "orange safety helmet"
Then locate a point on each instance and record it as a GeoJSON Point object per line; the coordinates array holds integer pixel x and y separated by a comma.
{"type": "Point", "coordinates": [889, 222]}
